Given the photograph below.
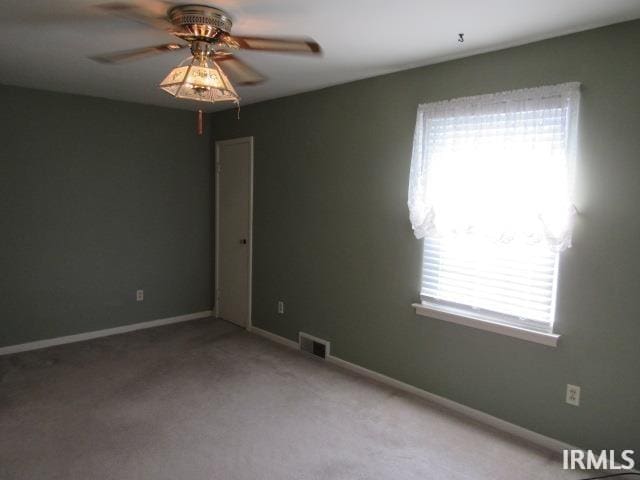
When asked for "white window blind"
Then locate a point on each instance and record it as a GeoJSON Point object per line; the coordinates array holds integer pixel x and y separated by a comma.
{"type": "Point", "coordinates": [510, 283]}
{"type": "Point", "coordinates": [490, 190]}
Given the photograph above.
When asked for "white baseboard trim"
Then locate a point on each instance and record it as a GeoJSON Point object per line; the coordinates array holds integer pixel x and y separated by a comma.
{"type": "Point", "coordinates": [520, 432]}
{"type": "Point", "coordinates": [80, 337]}
{"type": "Point", "coordinates": [477, 415]}
{"type": "Point", "coordinates": [273, 337]}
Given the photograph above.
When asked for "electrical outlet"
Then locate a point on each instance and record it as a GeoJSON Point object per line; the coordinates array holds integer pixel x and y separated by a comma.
{"type": "Point", "coordinates": [139, 295]}
{"type": "Point", "coordinates": [573, 395]}
{"type": "Point", "coordinates": [280, 307]}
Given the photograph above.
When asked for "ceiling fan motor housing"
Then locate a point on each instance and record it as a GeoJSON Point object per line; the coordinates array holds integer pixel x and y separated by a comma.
{"type": "Point", "coordinates": [200, 22]}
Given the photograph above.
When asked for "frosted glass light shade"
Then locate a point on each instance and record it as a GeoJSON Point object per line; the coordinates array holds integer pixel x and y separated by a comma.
{"type": "Point", "coordinates": [202, 80]}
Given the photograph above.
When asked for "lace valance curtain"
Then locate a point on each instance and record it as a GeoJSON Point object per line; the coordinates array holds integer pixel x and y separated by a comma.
{"type": "Point", "coordinates": [499, 166]}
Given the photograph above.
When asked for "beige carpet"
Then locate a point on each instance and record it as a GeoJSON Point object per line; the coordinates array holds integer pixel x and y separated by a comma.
{"type": "Point", "coordinates": [206, 400]}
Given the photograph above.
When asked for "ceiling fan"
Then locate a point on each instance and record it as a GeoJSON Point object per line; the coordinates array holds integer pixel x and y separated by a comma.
{"type": "Point", "coordinates": [207, 33]}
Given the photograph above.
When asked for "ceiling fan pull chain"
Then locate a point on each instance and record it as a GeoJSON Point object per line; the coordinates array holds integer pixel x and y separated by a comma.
{"type": "Point", "coordinates": [200, 122]}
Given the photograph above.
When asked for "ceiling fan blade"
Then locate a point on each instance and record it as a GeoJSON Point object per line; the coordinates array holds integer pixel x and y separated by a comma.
{"type": "Point", "coordinates": [274, 44]}
{"type": "Point", "coordinates": [137, 54]}
{"type": "Point", "coordinates": [239, 71]}
{"type": "Point", "coordinates": [139, 13]}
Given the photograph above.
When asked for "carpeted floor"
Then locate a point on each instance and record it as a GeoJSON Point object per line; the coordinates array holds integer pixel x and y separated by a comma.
{"type": "Point", "coordinates": [207, 400]}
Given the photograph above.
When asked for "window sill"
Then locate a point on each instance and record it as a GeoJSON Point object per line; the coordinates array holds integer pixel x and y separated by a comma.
{"type": "Point", "coordinates": [450, 315]}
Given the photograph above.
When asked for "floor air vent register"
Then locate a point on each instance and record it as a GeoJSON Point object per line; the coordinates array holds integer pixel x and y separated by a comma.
{"type": "Point", "coordinates": [314, 345]}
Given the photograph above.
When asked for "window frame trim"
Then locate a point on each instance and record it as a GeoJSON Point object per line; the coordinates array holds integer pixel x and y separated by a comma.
{"type": "Point", "coordinates": [482, 322]}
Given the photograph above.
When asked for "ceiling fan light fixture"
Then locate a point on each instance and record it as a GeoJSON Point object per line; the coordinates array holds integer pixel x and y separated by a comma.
{"type": "Point", "coordinates": [202, 80]}
{"type": "Point", "coordinates": [206, 30]}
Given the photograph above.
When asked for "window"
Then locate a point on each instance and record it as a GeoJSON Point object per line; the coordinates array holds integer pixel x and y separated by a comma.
{"type": "Point", "coordinates": [490, 191]}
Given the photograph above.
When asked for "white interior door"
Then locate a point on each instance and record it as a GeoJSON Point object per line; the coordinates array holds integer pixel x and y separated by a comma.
{"type": "Point", "coordinates": [234, 190]}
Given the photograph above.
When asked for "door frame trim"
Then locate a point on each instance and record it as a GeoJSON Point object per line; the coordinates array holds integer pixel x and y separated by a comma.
{"type": "Point", "coordinates": [219, 143]}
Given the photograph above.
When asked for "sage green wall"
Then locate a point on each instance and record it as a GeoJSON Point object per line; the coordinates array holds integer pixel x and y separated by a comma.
{"type": "Point", "coordinates": [333, 240]}
{"type": "Point", "coordinates": [98, 199]}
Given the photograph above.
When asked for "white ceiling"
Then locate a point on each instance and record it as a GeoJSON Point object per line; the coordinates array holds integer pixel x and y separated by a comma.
{"type": "Point", "coordinates": [45, 43]}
